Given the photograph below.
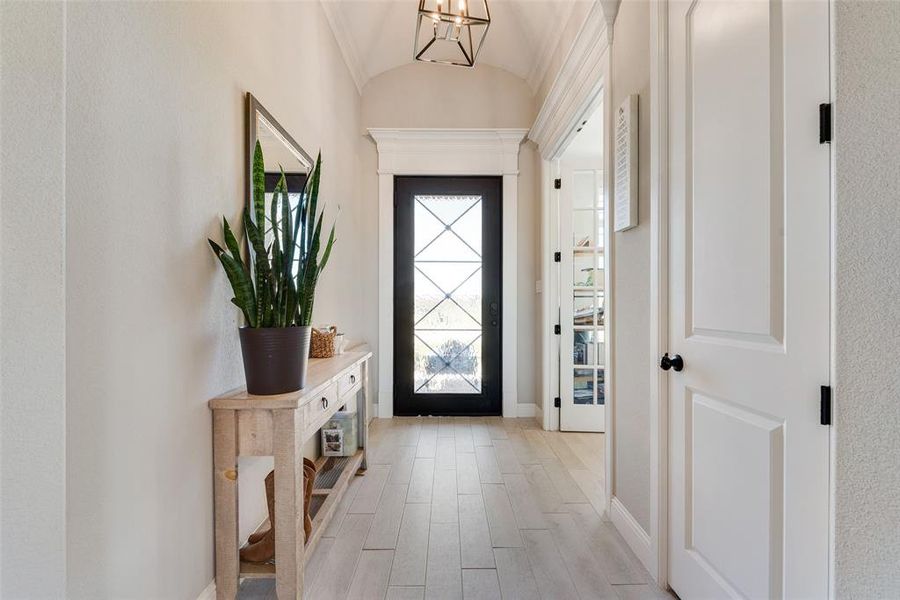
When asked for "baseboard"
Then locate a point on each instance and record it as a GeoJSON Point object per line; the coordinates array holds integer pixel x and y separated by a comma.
{"type": "Point", "coordinates": [635, 536]}
{"type": "Point", "coordinates": [209, 593]}
{"type": "Point", "coordinates": [385, 405]}
{"type": "Point", "coordinates": [526, 410]}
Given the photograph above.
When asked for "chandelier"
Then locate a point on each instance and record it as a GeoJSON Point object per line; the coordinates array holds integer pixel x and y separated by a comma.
{"type": "Point", "coordinates": [451, 32]}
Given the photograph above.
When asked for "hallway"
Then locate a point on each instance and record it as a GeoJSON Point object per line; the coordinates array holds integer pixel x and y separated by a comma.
{"type": "Point", "coordinates": [474, 508]}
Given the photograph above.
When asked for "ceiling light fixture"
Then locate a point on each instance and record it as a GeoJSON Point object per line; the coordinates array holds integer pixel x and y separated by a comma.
{"type": "Point", "coordinates": [451, 37]}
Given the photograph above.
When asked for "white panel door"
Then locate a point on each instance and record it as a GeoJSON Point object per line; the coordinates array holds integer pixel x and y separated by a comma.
{"type": "Point", "coordinates": [582, 298]}
{"type": "Point", "coordinates": [748, 299]}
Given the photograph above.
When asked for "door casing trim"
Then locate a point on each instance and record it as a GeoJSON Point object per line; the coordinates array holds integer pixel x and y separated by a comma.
{"type": "Point", "coordinates": [659, 287]}
{"type": "Point", "coordinates": [446, 152]}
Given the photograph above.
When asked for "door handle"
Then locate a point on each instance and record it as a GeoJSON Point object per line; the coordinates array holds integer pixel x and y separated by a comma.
{"type": "Point", "coordinates": [676, 363]}
{"type": "Point", "coordinates": [494, 309]}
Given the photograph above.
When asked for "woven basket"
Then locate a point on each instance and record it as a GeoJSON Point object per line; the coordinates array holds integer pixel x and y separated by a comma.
{"type": "Point", "coordinates": [322, 343]}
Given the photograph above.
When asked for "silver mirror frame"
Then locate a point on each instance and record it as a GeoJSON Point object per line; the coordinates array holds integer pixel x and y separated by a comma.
{"type": "Point", "coordinates": [256, 110]}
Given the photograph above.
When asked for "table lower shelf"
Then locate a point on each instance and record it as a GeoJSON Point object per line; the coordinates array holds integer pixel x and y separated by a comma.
{"type": "Point", "coordinates": [327, 493]}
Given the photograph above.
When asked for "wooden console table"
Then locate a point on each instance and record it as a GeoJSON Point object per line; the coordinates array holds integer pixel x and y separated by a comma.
{"type": "Point", "coordinates": [247, 425]}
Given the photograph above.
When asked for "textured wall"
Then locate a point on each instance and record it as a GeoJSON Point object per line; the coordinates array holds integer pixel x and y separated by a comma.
{"type": "Point", "coordinates": [155, 158]}
{"type": "Point", "coordinates": [433, 96]}
{"type": "Point", "coordinates": [867, 314]}
{"type": "Point", "coordinates": [631, 277]}
{"type": "Point", "coordinates": [32, 301]}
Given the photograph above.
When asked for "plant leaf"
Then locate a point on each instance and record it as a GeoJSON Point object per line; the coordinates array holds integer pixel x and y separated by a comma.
{"type": "Point", "coordinates": [233, 246]}
{"type": "Point", "coordinates": [328, 247]}
{"type": "Point", "coordinates": [259, 189]}
{"type": "Point", "coordinates": [240, 283]}
{"type": "Point", "coordinates": [287, 253]}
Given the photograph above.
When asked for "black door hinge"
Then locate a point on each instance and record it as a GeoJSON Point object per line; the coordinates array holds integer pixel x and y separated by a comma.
{"type": "Point", "coordinates": [557, 256]}
{"type": "Point", "coordinates": [825, 405]}
{"type": "Point", "coordinates": [556, 402]}
{"type": "Point", "coordinates": [825, 123]}
{"type": "Point", "coordinates": [557, 329]}
{"type": "Point", "coordinates": [557, 184]}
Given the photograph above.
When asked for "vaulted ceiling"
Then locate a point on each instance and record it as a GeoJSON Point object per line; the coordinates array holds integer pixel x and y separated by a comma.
{"type": "Point", "coordinates": [377, 35]}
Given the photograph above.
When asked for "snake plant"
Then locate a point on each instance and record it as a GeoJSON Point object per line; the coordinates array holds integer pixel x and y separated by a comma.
{"type": "Point", "coordinates": [275, 286]}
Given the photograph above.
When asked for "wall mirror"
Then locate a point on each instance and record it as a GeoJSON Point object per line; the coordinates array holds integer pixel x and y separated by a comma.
{"type": "Point", "coordinates": [280, 151]}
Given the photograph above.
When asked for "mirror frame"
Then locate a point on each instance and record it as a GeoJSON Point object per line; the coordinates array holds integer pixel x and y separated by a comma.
{"type": "Point", "coordinates": [254, 109]}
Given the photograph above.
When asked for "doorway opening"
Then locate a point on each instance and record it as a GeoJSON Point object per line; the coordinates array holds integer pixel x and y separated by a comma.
{"type": "Point", "coordinates": [581, 226]}
{"type": "Point", "coordinates": [448, 238]}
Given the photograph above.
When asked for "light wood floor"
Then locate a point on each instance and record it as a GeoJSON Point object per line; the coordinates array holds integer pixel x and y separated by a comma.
{"type": "Point", "coordinates": [474, 508]}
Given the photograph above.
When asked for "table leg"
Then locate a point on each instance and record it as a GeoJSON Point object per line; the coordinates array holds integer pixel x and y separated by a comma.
{"type": "Point", "coordinates": [289, 542]}
{"type": "Point", "coordinates": [363, 416]}
{"type": "Point", "coordinates": [226, 503]}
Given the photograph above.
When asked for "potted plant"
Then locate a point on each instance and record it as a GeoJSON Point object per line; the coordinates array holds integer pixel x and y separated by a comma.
{"type": "Point", "coordinates": [275, 285]}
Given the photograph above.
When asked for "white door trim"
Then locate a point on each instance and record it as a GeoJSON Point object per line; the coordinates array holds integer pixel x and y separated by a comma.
{"type": "Point", "coordinates": [575, 86]}
{"type": "Point", "coordinates": [659, 286]}
{"type": "Point", "coordinates": [446, 152]}
{"type": "Point", "coordinates": [573, 95]}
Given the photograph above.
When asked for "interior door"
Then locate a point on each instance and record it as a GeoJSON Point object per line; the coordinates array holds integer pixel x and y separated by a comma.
{"type": "Point", "coordinates": [748, 299]}
{"type": "Point", "coordinates": [582, 298]}
{"type": "Point", "coordinates": [448, 236]}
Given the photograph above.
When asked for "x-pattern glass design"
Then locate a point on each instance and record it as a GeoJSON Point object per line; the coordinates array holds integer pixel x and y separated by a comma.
{"type": "Point", "coordinates": [447, 295]}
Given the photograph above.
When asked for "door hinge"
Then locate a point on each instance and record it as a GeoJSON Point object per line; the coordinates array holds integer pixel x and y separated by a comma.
{"type": "Point", "coordinates": [557, 184]}
{"type": "Point", "coordinates": [825, 405]}
{"type": "Point", "coordinates": [557, 329]}
{"type": "Point", "coordinates": [825, 123]}
{"type": "Point", "coordinates": [556, 402]}
{"type": "Point", "coordinates": [557, 256]}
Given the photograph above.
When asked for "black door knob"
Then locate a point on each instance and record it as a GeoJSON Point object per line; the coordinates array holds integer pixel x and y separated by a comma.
{"type": "Point", "coordinates": [676, 363]}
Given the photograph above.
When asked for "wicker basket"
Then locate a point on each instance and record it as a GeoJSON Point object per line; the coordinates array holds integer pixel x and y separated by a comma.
{"type": "Point", "coordinates": [322, 343]}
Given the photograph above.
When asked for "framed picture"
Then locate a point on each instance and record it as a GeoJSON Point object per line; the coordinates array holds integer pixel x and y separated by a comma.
{"type": "Point", "coordinates": [332, 442]}
{"type": "Point", "coordinates": [625, 167]}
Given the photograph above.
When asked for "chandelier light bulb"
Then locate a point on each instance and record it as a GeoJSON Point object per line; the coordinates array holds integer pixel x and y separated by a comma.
{"type": "Point", "coordinates": [462, 5]}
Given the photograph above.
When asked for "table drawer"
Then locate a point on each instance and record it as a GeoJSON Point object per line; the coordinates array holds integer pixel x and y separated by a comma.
{"type": "Point", "coordinates": [349, 380]}
{"type": "Point", "coordinates": [319, 409]}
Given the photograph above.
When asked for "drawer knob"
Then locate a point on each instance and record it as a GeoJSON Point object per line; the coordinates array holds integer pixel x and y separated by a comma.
{"type": "Point", "coordinates": [324, 402]}
{"type": "Point", "coordinates": [353, 379]}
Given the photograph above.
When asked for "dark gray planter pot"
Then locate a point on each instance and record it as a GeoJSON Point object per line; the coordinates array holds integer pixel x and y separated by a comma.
{"type": "Point", "coordinates": [275, 359]}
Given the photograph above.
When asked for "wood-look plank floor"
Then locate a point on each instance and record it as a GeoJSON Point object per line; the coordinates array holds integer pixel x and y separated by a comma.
{"type": "Point", "coordinates": [466, 508]}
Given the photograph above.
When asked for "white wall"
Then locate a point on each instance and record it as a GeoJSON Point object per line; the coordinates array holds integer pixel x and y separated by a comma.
{"type": "Point", "coordinates": [155, 107]}
{"type": "Point", "coordinates": [436, 96]}
{"type": "Point", "coordinates": [631, 277]}
{"type": "Point", "coordinates": [867, 311]}
{"type": "Point", "coordinates": [32, 301]}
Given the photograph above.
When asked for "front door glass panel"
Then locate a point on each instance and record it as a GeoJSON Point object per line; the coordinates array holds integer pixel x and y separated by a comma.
{"type": "Point", "coordinates": [447, 294]}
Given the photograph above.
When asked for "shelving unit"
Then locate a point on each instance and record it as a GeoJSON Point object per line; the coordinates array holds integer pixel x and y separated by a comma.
{"type": "Point", "coordinates": [322, 507]}
{"type": "Point", "coordinates": [247, 425]}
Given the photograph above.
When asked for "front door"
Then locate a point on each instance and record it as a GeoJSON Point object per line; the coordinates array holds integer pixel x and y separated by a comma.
{"type": "Point", "coordinates": [748, 298]}
{"type": "Point", "coordinates": [447, 284]}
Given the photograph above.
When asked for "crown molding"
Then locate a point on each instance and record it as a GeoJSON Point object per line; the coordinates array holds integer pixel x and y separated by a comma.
{"type": "Point", "coordinates": [575, 84]}
{"type": "Point", "coordinates": [345, 42]}
{"type": "Point", "coordinates": [545, 54]}
{"type": "Point", "coordinates": [428, 151]}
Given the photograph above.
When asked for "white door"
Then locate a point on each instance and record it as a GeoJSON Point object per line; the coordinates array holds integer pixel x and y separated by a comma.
{"type": "Point", "coordinates": [748, 299]}
{"type": "Point", "coordinates": [582, 297]}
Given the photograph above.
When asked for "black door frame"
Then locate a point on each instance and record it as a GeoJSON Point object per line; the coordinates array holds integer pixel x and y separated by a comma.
{"type": "Point", "coordinates": [490, 401]}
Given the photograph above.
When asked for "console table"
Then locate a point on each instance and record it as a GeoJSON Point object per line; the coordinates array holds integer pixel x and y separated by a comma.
{"type": "Point", "coordinates": [247, 425]}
